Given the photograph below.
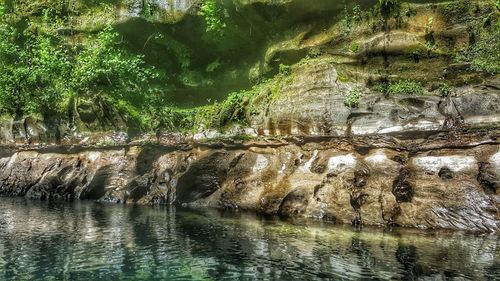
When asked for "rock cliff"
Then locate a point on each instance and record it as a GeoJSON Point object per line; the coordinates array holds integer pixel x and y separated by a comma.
{"type": "Point", "coordinates": [375, 118]}
{"type": "Point", "coordinates": [417, 161]}
{"type": "Point", "coordinates": [449, 182]}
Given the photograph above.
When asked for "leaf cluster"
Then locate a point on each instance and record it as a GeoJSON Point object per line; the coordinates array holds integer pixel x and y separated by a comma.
{"type": "Point", "coordinates": [41, 74]}
{"type": "Point", "coordinates": [213, 14]}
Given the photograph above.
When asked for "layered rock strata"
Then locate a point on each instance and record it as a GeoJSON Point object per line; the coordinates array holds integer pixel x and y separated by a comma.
{"type": "Point", "coordinates": [450, 183]}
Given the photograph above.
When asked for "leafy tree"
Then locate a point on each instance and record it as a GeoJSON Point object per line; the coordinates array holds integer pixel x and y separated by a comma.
{"type": "Point", "coordinates": [40, 74]}
{"type": "Point", "coordinates": [106, 69]}
{"type": "Point", "coordinates": [31, 74]}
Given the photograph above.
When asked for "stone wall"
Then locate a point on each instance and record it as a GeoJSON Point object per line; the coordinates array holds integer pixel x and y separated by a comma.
{"type": "Point", "coordinates": [356, 181]}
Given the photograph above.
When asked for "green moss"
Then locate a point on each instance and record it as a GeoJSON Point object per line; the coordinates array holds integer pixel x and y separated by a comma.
{"type": "Point", "coordinates": [343, 78]}
{"type": "Point", "coordinates": [243, 137]}
{"type": "Point", "coordinates": [285, 69]}
{"type": "Point", "coordinates": [314, 52]}
{"type": "Point", "coordinates": [455, 11]}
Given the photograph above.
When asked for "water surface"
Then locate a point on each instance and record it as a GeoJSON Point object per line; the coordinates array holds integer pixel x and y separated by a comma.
{"type": "Point", "coordinates": [92, 241]}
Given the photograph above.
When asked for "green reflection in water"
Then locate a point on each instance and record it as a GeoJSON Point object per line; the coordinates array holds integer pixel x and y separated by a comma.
{"type": "Point", "coordinates": [91, 241]}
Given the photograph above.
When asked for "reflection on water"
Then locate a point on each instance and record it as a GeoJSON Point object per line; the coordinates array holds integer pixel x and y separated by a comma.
{"type": "Point", "coordinates": [91, 241]}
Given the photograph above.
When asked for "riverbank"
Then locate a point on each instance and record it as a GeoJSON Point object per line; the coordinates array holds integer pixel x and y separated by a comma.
{"type": "Point", "coordinates": [446, 182]}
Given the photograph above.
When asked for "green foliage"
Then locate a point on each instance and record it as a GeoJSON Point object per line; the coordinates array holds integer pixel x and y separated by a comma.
{"type": "Point", "coordinates": [350, 18]}
{"type": "Point", "coordinates": [388, 7]}
{"type": "Point", "coordinates": [234, 109]}
{"type": "Point", "coordinates": [32, 76]}
{"type": "Point", "coordinates": [40, 74]}
{"type": "Point", "coordinates": [314, 52]}
{"type": "Point", "coordinates": [285, 69]}
{"type": "Point", "coordinates": [444, 90]}
{"type": "Point", "coordinates": [107, 69]}
{"type": "Point", "coordinates": [405, 87]}
{"type": "Point", "coordinates": [484, 55]}
{"type": "Point", "coordinates": [352, 99]}
{"type": "Point", "coordinates": [401, 87]}
{"type": "Point", "coordinates": [150, 9]}
{"type": "Point", "coordinates": [213, 14]}
{"type": "Point", "coordinates": [388, 2]}
{"type": "Point", "coordinates": [213, 66]}
{"type": "Point", "coordinates": [354, 47]}
{"type": "Point", "coordinates": [170, 119]}
{"type": "Point", "coordinates": [356, 13]}
{"type": "Point", "coordinates": [429, 25]}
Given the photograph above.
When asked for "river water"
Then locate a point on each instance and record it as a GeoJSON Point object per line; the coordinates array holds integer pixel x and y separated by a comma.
{"type": "Point", "coordinates": [93, 241]}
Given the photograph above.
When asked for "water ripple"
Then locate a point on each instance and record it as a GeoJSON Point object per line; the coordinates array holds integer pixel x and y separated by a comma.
{"type": "Point", "coordinates": [91, 241]}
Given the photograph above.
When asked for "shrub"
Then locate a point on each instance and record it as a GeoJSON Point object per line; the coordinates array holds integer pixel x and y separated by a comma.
{"type": "Point", "coordinates": [170, 119]}
{"type": "Point", "coordinates": [484, 55]}
{"type": "Point", "coordinates": [32, 76]}
{"type": "Point", "coordinates": [352, 99]}
{"type": "Point", "coordinates": [41, 74]}
{"type": "Point", "coordinates": [105, 67]}
{"type": "Point", "coordinates": [213, 15]}
{"type": "Point", "coordinates": [404, 87]}
{"type": "Point", "coordinates": [444, 90]}
{"type": "Point", "coordinates": [356, 13]}
{"type": "Point", "coordinates": [350, 18]}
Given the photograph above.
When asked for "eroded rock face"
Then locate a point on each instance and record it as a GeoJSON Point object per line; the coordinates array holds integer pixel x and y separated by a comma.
{"type": "Point", "coordinates": [312, 104]}
{"type": "Point", "coordinates": [333, 180]}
